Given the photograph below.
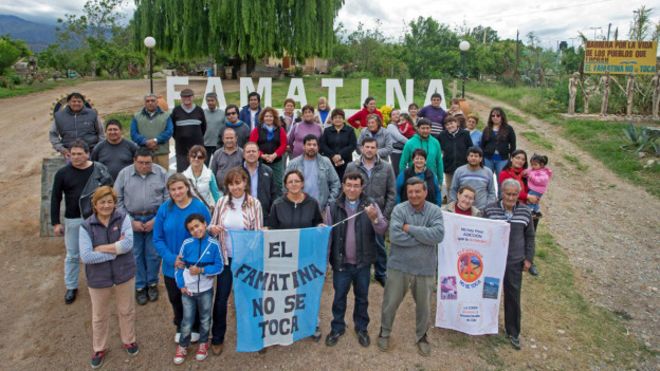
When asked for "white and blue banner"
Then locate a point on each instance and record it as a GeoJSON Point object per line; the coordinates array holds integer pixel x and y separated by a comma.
{"type": "Point", "coordinates": [471, 263]}
{"type": "Point", "coordinates": [278, 280]}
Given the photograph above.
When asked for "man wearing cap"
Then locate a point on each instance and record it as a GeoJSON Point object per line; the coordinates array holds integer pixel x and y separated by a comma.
{"type": "Point", "coordinates": [215, 122]}
{"type": "Point", "coordinates": [189, 128]}
{"type": "Point", "coordinates": [152, 128]}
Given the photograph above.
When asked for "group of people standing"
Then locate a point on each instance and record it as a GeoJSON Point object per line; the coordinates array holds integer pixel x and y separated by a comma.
{"type": "Point", "coordinates": [253, 169]}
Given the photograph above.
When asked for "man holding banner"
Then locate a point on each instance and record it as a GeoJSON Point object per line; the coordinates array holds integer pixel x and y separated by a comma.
{"type": "Point", "coordinates": [521, 252]}
{"type": "Point", "coordinates": [416, 229]}
{"type": "Point", "coordinates": [352, 251]}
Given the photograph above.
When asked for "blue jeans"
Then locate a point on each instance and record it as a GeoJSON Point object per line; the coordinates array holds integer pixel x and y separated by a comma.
{"type": "Point", "coordinates": [72, 260]}
{"type": "Point", "coordinates": [147, 260]}
{"type": "Point", "coordinates": [496, 166]}
{"type": "Point", "coordinates": [537, 206]}
{"type": "Point", "coordinates": [380, 266]}
{"type": "Point", "coordinates": [201, 303]}
{"type": "Point", "coordinates": [341, 282]}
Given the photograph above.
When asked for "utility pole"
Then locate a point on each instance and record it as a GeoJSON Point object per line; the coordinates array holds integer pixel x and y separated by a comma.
{"type": "Point", "coordinates": [609, 28]}
{"type": "Point", "coordinates": [594, 29]}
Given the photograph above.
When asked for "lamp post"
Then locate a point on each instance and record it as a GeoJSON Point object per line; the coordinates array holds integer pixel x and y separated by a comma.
{"type": "Point", "coordinates": [464, 46]}
{"type": "Point", "coordinates": [150, 42]}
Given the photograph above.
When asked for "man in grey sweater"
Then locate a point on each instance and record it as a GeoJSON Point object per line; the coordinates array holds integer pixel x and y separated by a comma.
{"type": "Point", "coordinates": [475, 175]}
{"type": "Point", "coordinates": [416, 229]}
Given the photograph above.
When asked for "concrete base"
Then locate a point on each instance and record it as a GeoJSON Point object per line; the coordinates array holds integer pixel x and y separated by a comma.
{"type": "Point", "coordinates": [48, 169]}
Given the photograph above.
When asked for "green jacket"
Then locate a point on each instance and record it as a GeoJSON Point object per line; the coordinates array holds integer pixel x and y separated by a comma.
{"type": "Point", "coordinates": [433, 155]}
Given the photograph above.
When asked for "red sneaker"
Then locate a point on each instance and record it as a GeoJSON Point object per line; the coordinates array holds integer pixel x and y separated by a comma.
{"type": "Point", "coordinates": [202, 351]}
{"type": "Point", "coordinates": [180, 355]}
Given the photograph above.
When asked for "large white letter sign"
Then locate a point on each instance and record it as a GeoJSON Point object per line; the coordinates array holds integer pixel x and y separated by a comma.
{"type": "Point", "coordinates": [297, 91]}
{"type": "Point", "coordinates": [264, 88]}
{"type": "Point", "coordinates": [171, 82]}
{"type": "Point", "coordinates": [435, 86]}
{"type": "Point", "coordinates": [392, 86]}
{"type": "Point", "coordinates": [215, 84]}
{"type": "Point", "coordinates": [364, 91]}
{"type": "Point", "coordinates": [332, 85]}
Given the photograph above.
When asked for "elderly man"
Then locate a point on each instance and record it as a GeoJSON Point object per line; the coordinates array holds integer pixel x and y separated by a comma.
{"type": "Point", "coordinates": [189, 128]}
{"type": "Point", "coordinates": [75, 121]}
{"type": "Point", "coordinates": [226, 158]}
{"type": "Point", "coordinates": [314, 166]}
{"type": "Point", "coordinates": [521, 252]}
{"type": "Point", "coordinates": [262, 181]}
{"type": "Point", "coordinates": [152, 128]}
{"type": "Point", "coordinates": [380, 186]}
{"type": "Point", "coordinates": [215, 122]}
{"type": "Point", "coordinates": [77, 181]}
{"type": "Point", "coordinates": [114, 152]}
{"type": "Point", "coordinates": [140, 191]}
{"type": "Point", "coordinates": [352, 251]}
{"type": "Point", "coordinates": [416, 229]}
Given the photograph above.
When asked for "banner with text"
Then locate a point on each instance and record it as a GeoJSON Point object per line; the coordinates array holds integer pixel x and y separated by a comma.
{"type": "Point", "coordinates": [278, 279]}
{"type": "Point", "coordinates": [620, 57]}
{"type": "Point", "coordinates": [471, 263]}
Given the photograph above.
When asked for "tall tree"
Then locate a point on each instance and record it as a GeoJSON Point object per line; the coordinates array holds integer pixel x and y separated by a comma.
{"type": "Point", "coordinates": [244, 29]}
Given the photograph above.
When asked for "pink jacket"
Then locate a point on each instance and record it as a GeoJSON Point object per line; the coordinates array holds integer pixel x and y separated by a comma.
{"type": "Point", "coordinates": [538, 180]}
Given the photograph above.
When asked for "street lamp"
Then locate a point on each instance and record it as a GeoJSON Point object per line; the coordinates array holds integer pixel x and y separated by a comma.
{"type": "Point", "coordinates": [464, 46]}
{"type": "Point", "coordinates": [150, 42]}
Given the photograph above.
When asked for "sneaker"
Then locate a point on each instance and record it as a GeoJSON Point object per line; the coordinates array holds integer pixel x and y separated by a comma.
{"type": "Point", "coordinates": [533, 270]}
{"type": "Point", "coordinates": [131, 349]}
{"type": "Point", "coordinates": [194, 337]}
{"type": "Point", "coordinates": [383, 343]}
{"type": "Point", "coordinates": [97, 359]}
{"type": "Point", "coordinates": [363, 338]}
{"type": "Point", "coordinates": [423, 347]}
{"type": "Point", "coordinates": [152, 292]}
{"type": "Point", "coordinates": [177, 337]}
{"type": "Point", "coordinates": [217, 349]}
{"type": "Point", "coordinates": [332, 338]}
{"type": "Point", "coordinates": [515, 342]}
{"type": "Point", "coordinates": [180, 355]}
{"type": "Point", "coordinates": [202, 351]}
{"type": "Point", "coordinates": [317, 335]}
{"type": "Point", "coordinates": [141, 296]}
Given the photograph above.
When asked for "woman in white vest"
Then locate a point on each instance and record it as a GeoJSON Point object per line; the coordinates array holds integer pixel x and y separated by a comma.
{"type": "Point", "coordinates": [202, 180]}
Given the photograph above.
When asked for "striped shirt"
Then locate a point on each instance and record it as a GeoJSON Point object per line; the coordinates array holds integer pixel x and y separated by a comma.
{"type": "Point", "coordinates": [522, 235]}
{"type": "Point", "coordinates": [252, 219]}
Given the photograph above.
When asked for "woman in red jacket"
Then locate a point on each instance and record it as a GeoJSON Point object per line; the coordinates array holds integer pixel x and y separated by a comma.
{"type": "Point", "coordinates": [514, 169]}
{"type": "Point", "coordinates": [359, 118]}
{"type": "Point", "coordinates": [271, 139]}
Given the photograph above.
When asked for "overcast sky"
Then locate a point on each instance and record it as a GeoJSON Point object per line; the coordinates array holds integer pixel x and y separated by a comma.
{"type": "Point", "coordinates": [551, 21]}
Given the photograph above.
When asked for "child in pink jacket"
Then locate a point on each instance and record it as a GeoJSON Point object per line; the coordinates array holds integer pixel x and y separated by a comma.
{"type": "Point", "coordinates": [538, 178]}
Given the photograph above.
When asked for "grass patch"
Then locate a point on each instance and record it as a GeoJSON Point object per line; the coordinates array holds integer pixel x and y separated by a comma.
{"type": "Point", "coordinates": [348, 96]}
{"type": "Point", "coordinates": [576, 161]}
{"type": "Point", "coordinates": [535, 101]}
{"type": "Point", "coordinates": [20, 90]}
{"type": "Point", "coordinates": [603, 140]}
{"type": "Point", "coordinates": [535, 138]}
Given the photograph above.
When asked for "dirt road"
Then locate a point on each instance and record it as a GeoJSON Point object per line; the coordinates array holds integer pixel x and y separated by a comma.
{"type": "Point", "coordinates": [602, 219]}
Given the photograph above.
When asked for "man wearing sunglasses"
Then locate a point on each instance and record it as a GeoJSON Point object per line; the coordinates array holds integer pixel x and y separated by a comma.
{"type": "Point", "coordinates": [232, 121]}
{"type": "Point", "coordinates": [151, 128]}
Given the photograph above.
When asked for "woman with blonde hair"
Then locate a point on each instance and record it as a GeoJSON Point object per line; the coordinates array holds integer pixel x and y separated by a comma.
{"type": "Point", "coordinates": [106, 250]}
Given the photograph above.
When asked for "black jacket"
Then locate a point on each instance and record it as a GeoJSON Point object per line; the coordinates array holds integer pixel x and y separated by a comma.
{"type": "Point", "coordinates": [505, 145]}
{"type": "Point", "coordinates": [267, 191]}
{"type": "Point", "coordinates": [100, 177]}
{"type": "Point", "coordinates": [365, 236]}
{"type": "Point", "coordinates": [285, 214]}
{"type": "Point", "coordinates": [454, 149]}
{"type": "Point", "coordinates": [341, 143]}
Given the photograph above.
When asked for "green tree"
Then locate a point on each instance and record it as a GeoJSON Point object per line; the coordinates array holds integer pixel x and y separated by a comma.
{"type": "Point", "coordinates": [431, 49]}
{"type": "Point", "coordinates": [10, 52]}
{"type": "Point", "coordinates": [242, 29]}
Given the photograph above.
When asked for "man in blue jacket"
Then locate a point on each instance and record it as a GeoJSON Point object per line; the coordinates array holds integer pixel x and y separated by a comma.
{"type": "Point", "coordinates": [250, 113]}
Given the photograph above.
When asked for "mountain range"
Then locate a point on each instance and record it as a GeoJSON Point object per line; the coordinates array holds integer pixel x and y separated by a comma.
{"type": "Point", "coordinates": [37, 35]}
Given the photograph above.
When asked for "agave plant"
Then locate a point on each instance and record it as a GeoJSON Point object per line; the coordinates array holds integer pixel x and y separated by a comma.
{"type": "Point", "coordinates": [642, 139]}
